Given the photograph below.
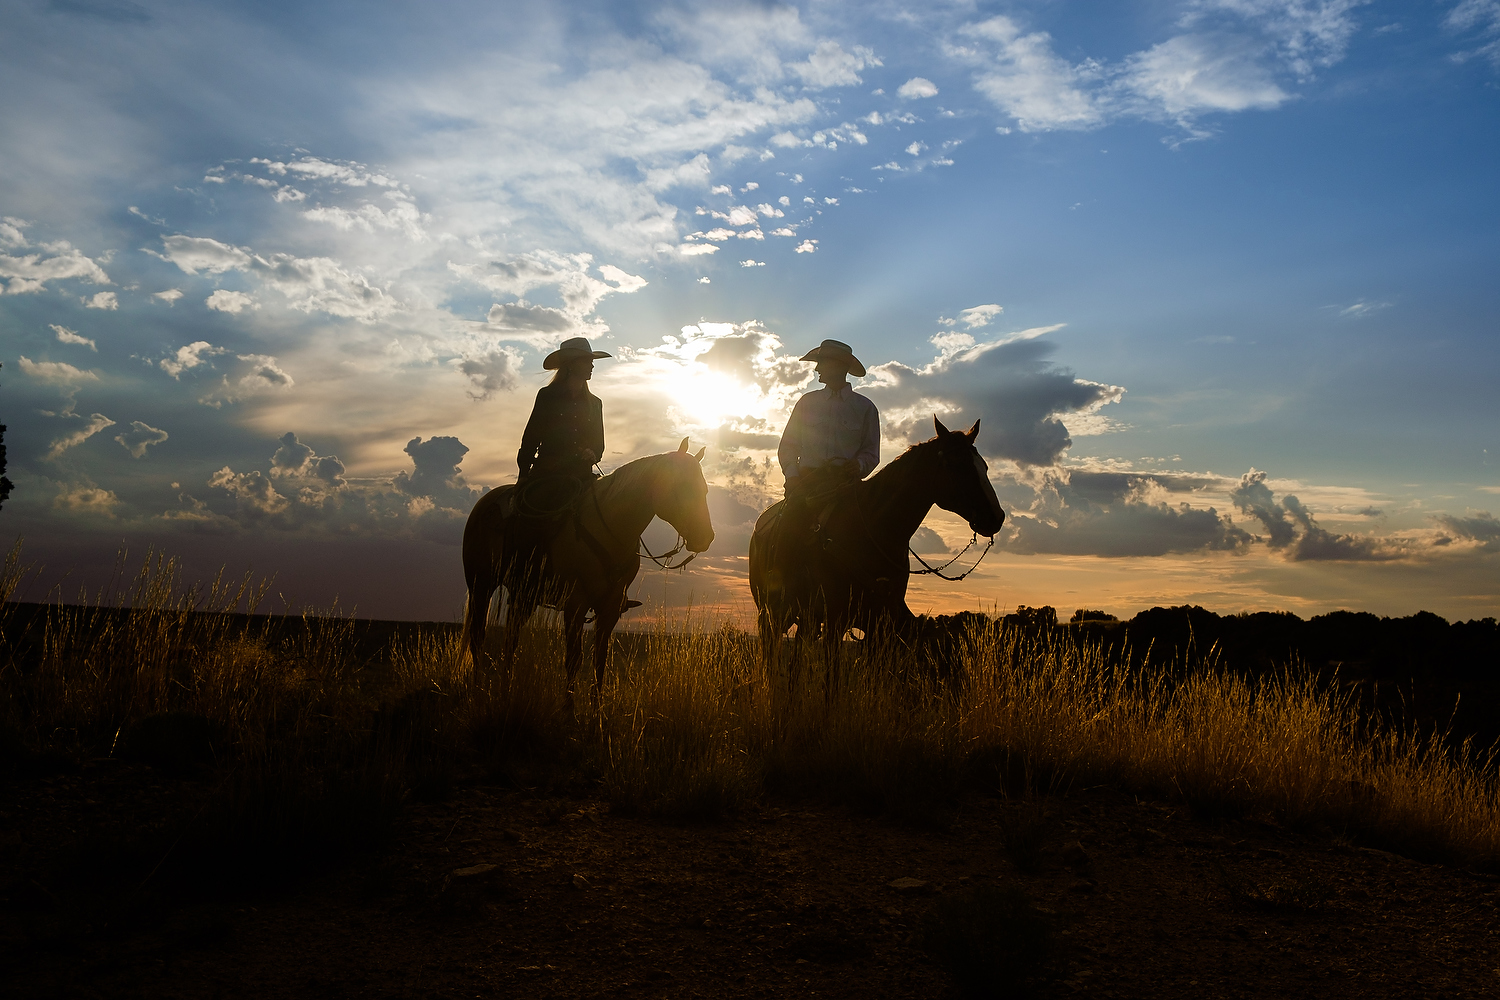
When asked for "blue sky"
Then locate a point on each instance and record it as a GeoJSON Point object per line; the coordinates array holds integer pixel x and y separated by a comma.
{"type": "Point", "coordinates": [1218, 276]}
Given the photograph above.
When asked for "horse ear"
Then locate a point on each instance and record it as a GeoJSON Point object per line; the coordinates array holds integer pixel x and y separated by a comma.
{"type": "Point", "coordinates": [972, 432]}
{"type": "Point", "coordinates": [699, 456]}
{"type": "Point", "coordinates": [683, 447]}
{"type": "Point", "coordinates": [941, 430]}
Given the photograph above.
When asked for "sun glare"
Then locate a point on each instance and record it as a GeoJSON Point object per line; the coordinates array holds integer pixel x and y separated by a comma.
{"type": "Point", "coordinates": [710, 398]}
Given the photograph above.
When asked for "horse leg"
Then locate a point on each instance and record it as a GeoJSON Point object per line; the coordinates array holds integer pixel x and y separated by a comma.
{"type": "Point", "coordinates": [573, 615]}
{"type": "Point", "coordinates": [604, 626]}
{"type": "Point", "coordinates": [476, 613]}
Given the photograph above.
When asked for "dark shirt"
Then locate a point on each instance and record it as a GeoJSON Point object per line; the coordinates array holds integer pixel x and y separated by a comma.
{"type": "Point", "coordinates": [561, 429]}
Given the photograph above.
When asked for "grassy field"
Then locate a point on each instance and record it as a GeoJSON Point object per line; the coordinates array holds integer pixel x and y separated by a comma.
{"type": "Point", "coordinates": [310, 749]}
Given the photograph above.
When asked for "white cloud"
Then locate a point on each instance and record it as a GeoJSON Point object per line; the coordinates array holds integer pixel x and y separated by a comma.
{"type": "Point", "coordinates": [310, 284]}
{"type": "Point", "coordinates": [752, 234]}
{"type": "Point", "coordinates": [807, 246]}
{"type": "Point", "coordinates": [1361, 309]}
{"type": "Point", "coordinates": [1482, 16]}
{"type": "Point", "coordinates": [189, 356]}
{"type": "Point", "coordinates": [1026, 80]}
{"type": "Point", "coordinates": [31, 272]}
{"type": "Point", "coordinates": [402, 216]}
{"type": "Point", "coordinates": [95, 423]}
{"type": "Point", "coordinates": [696, 249]}
{"type": "Point", "coordinates": [492, 372]}
{"type": "Point", "coordinates": [86, 500]}
{"type": "Point", "coordinates": [56, 372]}
{"type": "Point", "coordinates": [67, 336]}
{"type": "Point", "coordinates": [769, 211]}
{"type": "Point", "coordinates": [916, 87]}
{"type": "Point", "coordinates": [140, 437]}
{"type": "Point", "coordinates": [704, 280]}
{"type": "Point", "coordinates": [11, 231]}
{"type": "Point", "coordinates": [752, 263]}
{"type": "Point", "coordinates": [101, 300]}
{"type": "Point", "coordinates": [228, 301]}
{"type": "Point", "coordinates": [784, 231]}
{"type": "Point", "coordinates": [978, 316]}
{"type": "Point", "coordinates": [1191, 74]}
{"type": "Point", "coordinates": [915, 149]}
{"type": "Point", "coordinates": [170, 296]}
{"type": "Point", "coordinates": [830, 66]}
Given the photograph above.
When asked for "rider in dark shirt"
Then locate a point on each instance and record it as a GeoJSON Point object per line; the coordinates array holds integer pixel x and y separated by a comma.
{"type": "Point", "coordinates": [565, 435]}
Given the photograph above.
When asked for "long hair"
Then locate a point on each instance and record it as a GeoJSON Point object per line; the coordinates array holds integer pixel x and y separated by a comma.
{"type": "Point", "coordinates": [561, 375]}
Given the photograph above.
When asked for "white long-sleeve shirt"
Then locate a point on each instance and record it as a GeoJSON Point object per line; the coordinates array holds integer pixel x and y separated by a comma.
{"type": "Point", "coordinates": [831, 423]}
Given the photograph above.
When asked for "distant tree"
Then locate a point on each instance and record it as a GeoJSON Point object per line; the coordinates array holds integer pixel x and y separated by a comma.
{"type": "Point", "coordinates": [1084, 615]}
{"type": "Point", "coordinates": [5, 484]}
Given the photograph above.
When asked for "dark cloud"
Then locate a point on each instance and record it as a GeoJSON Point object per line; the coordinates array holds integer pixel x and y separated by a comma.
{"type": "Point", "coordinates": [1482, 527]}
{"type": "Point", "coordinates": [293, 458]}
{"type": "Point", "coordinates": [140, 437]}
{"type": "Point", "coordinates": [497, 371]}
{"type": "Point", "coordinates": [521, 317]}
{"type": "Point", "coordinates": [436, 474]}
{"type": "Point", "coordinates": [1021, 397]}
{"type": "Point", "coordinates": [1134, 521]}
{"type": "Point", "coordinates": [928, 542]}
{"type": "Point", "coordinates": [733, 438]}
{"type": "Point", "coordinates": [1312, 543]}
{"type": "Point", "coordinates": [1255, 498]}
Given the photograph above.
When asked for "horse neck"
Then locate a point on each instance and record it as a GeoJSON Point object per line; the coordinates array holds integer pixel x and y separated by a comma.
{"type": "Point", "coordinates": [899, 496]}
{"type": "Point", "coordinates": [625, 497]}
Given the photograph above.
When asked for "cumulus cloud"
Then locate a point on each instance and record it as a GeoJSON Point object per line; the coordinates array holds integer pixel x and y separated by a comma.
{"type": "Point", "coordinates": [86, 499]}
{"type": "Point", "coordinates": [140, 437]}
{"type": "Point", "coordinates": [189, 356]}
{"type": "Point", "coordinates": [1481, 527]}
{"type": "Point", "coordinates": [170, 296]}
{"type": "Point", "coordinates": [101, 300]}
{"type": "Point", "coordinates": [30, 273]}
{"type": "Point", "coordinates": [1124, 516]}
{"type": "Point", "coordinates": [491, 372]}
{"type": "Point", "coordinates": [569, 277]}
{"type": "Point", "coordinates": [915, 88]}
{"type": "Point", "coordinates": [228, 301]}
{"type": "Point", "coordinates": [309, 284]}
{"type": "Point", "coordinates": [1291, 527]}
{"type": "Point", "coordinates": [435, 475]}
{"type": "Point", "coordinates": [401, 216]}
{"type": "Point", "coordinates": [294, 459]}
{"type": "Point", "coordinates": [55, 372]}
{"type": "Point", "coordinates": [1021, 396]}
{"type": "Point", "coordinates": [66, 336]}
{"type": "Point", "coordinates": [255, 492]}
{"type": "Point", "coordinates": [93, 425]}
{"type": "Point", "coordinates": [829, 65]}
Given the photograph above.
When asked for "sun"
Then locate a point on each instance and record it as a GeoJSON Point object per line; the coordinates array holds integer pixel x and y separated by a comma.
{"type": "Point", "coordinates": [709, 398]}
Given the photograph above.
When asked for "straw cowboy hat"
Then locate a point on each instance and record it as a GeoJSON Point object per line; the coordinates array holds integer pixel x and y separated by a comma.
{"type": "Point", "coordinates": [839, 352]}
{"type": "Point", "coordinates": [572, 350]}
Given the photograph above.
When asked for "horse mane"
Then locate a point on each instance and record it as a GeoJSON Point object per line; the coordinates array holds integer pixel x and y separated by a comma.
{"type": "Point", "coordinates": [898, 466]}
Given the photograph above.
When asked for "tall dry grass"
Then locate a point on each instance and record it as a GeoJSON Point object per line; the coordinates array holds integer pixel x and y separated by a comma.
{"type": "Point", "coordinates": [689, 726]}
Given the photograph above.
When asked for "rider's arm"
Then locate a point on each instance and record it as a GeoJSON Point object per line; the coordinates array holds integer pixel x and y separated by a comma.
{"type": "Point", "coordinates": [593, 441]}
{"type": "Point", "coordinates": [868, 455]}
{"type": "Point", "coordinates": [791, 442]}
{"type": "Point", "coordinates": [531, 438]}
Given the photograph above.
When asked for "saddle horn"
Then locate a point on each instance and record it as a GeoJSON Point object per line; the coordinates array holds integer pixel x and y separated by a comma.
{"type": "Point", "coordinates": [683, 447]}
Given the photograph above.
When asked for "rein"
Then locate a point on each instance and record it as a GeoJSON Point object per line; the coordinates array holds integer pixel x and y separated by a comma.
{"type": "Point", "coordinates": [938, 570]}
{"type": "Point", "coordinates": [663, 560]}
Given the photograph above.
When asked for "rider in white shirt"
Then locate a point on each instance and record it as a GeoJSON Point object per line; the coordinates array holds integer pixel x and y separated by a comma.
{"type": "Point", "coordinates": [833, 435]}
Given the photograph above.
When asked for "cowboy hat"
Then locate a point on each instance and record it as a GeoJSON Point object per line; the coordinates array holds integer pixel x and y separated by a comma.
{"type": "Point", "coordinates": [833, 350]}
{"type": "Point", "coordinates": [572, 350]}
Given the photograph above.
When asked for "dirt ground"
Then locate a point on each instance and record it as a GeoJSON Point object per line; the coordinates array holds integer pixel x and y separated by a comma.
{"type": "Point", "coordinates": [494, 894]}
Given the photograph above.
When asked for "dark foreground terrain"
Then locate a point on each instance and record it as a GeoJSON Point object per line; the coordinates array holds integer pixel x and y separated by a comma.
{"type": "Point", "coordinates": [496, 893]}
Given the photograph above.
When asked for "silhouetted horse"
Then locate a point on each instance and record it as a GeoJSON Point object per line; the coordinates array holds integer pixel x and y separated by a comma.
{"type": "Point", "coordinates": [590, 558]}
{"type": "Point", "coordinates": [848, 567]}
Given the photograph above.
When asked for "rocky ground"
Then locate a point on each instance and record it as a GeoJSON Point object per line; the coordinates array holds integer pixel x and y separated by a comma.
{"type": "Point", "coordinates": [496, 893]}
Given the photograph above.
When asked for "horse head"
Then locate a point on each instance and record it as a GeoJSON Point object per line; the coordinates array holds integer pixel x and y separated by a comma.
{"type": "Point", "coordinates": [679, 496]}
{"type": "Point", "coordinates": [964, 484]}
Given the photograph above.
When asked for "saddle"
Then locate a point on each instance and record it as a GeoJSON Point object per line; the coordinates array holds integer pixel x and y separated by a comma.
{"type": "Point", "coordinates": [791, 530]}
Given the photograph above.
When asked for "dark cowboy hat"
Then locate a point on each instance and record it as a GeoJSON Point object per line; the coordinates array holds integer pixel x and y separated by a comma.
{"type": "Point", "coordinates": [572, 350]}
{"type": "Point", "coordinates": [833, 350]}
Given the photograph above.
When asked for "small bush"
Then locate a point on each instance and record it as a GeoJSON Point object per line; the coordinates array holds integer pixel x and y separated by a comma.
{"type": "Point", "coordinates": [992, 941]}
